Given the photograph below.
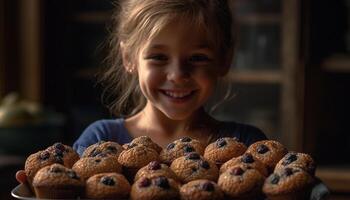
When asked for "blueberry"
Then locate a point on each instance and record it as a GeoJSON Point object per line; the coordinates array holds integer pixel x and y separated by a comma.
{"type": "Point", "coordinates": [193, 156]}
{"type": "Point", "coordinates": [186, 139]}
{"type": "Point", "coordinates": [59, 146]}
{"type": "Point", "coordinates": [94, 152]}
{"type": "Point", "coordinates": [247, 158]}
{"type": "Point", "coordinates": [162, 182]}
{"type": "Point", "coordinates": [154, 165]}
{"type": "Point", "coordinates": [194, 169]}
{"type": "Point", "coordinates": [288, 171]}
{"type": "Point", "coordinates": [97, 160]}
{"type": "Point", "coordinates": [111, 148]}
{"type": "Point", "coordinates": [221, 142]}
{"type": "Point", "coordinates": [58, 153]}
{"type": "Point", "coordinates": [237, 171]}
{"type": "Point", "coordinates": [274, 179]}
{"type": "Point", "coordinates": [73, 175]}
{"type": "Point", "coordinates": [44, 155]}
{"type": "Point", "coordinates": [290, 158]}
{"type": "Point", "coordinates": [262, 149]}
{"type": "Point", "coordinates": [144, 182]}
{"type": "Point", "coordinates": [204, 164]}
{"type": "Point", "coordinates": [58, 159]}
{"type": "Point", "coordinates": [56, 169]}
{"type": "Point", "coordinates": [107, 181]}
{"type": "Point", "coordinates": [188, 149]}
{"type": "Point", "coordinates": [208, 186]}
{"type": "Point", "coordinates": [170, 146]}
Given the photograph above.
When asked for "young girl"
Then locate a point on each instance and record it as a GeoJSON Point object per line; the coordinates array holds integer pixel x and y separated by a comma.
{"type": "Point", "coordinates": [166, 60]}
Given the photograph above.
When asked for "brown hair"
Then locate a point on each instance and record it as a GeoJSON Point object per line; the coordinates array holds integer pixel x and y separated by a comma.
{"type": "Point", "coordinates": [136, 21]}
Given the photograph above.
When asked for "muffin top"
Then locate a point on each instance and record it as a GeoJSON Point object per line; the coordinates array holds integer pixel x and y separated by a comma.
{"type": "Point", "coordinates": [67, 153]}
{"type": "Point", "coordinates": [269, 152]}
{"type": "Point", "coordinates": [245, 160]}
{"type": "Point", "coordinates": [136, 156]}
{"type": "Point", "coordinates": [155, 168]}
{"type": "Point", "coordinates": [286, 180]}
{"type": "Point", "coordinates": [89, 166]}
{"type": "Point", "coordinates": [295, 159]}
{"type": "Point", "coordinates": [179, 148]}
{"type": "Point", "coordinates": [223, 149]}
{"type": "Point", "coordinates": [109, 148]}
{"type": "Point", "coordinates": [57, 175]}
{"type": "Point", "coordinates": [241, 182]}
{"type": "Point", "coordinates": [201, 189]}
{"type": "Point", "coordinates": [193, 166]}
{"type": "Point", "coordinates": [107, 186]}
{"type": "Point", "coordinates": [155, 188]}
{"type": "Point", "coordinates": [145, 141]}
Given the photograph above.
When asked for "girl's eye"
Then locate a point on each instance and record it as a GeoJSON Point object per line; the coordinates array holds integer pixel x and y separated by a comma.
{"type": "Point", "coordinates": [157, 57]}
{"type": "Point", "coordinates": [200, 58]}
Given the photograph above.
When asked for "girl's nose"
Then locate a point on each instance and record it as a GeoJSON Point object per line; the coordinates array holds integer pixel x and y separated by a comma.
{"type": "Point", "coordinates": [179, 72]}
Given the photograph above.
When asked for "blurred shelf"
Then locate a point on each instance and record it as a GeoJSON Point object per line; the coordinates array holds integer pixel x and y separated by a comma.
{"type": "Point", "coordinates": [263, 19]}
{"type": "Point", "coordinates": [336, 178]}
{"type": "Point", "coordinates": [337, 63]}
{"type": "Point", "coordinates": [93, 17]}
{"type": "Point", "coordinates": [256, 76]}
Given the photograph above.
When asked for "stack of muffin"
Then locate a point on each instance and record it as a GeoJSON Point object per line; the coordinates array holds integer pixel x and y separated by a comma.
{"type": "Point", "coordinates": [185, 169]}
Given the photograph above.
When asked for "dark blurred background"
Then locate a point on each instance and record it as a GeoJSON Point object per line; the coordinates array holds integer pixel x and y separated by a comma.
{"type": "Point", "coordinates": [291, 78]}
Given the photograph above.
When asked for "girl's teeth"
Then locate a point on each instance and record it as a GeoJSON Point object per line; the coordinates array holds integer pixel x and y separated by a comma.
{"type": "Point", "coordinates": [177, 94]}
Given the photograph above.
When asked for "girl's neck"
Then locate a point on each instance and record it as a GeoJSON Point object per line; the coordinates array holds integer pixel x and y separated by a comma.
{"type": "Point", "coordinates": [159, 127]}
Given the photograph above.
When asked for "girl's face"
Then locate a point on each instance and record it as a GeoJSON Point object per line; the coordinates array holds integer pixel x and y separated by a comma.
{"type": "Point", "coordinates": [177, 70]}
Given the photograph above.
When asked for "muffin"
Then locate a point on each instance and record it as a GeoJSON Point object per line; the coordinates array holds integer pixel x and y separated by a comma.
{"type": "Point", "coordinates": [269, 152]}
{"type": "Point", "coordinates": [155, 168]}
{"type": "Point", "coordinates": [57, 182]}
{"type": "Point", "coordinates": [179, 148]}
{"type": "Point", "coordinates": [67, 153]}
{"type": "Point", "coordinates": [155, 188]}
{"type": "Point", "coordinates": [108, 148]}
{"type": "Point", "coordinates": [57, 153]}
{"type": "Point", "coordinates": [223, 149]}
{"type": "Point", "coordinates": [289, 183]}
{"type": "Point", "coordinates": [107, 186]}
{"type": "Point", "coordinates": [135, 157]}
{"type": "Point", "coordinates": [193, 166]}
{"type": "Point", "coordinates": [201, 189]}
{"type": "Point", "coordinates": [145, 141]}
{"type": "Point", "coordinates": [89, 166]}
{"type": "Point", "coordinates": [240, 183]}
{"type": "Point", "coordinates": [245, 160]}
{"type": "Point", "coordinates": [295, 159]}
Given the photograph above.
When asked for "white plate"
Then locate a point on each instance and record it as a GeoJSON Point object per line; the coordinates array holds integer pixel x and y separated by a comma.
{"type": "Point", "coordinates": [21, 191]}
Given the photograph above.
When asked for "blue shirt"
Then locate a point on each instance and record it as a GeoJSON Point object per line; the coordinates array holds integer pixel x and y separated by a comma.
{"type": "Point", "coordinates": [114, 130]}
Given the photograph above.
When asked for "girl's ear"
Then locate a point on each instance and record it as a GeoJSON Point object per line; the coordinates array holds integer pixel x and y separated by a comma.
{"type": "Point", "coordinates": [127, 63]}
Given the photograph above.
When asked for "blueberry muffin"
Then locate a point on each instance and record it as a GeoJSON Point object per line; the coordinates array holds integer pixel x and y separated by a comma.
{"type": "Point", "coordinates": [108, 148]}
{"type": "Point", "coordinates": [193, 166]}
{"type": "Point", "coordinates": [240, 183]}
{"type": "Point", "coordinates": [223, 149]}
{"type": "Point", "coordinates": [269, 152]}
{"type": "Point", "coordinates": [135, 157]}
{"type": "Point", "coordinates": [67, 153]}
{"type": "Point", "coordinates": [295, 159]}
{"type": "Point", "coordinates": [155, 188]}
{"type": "Point", "coordinates": [107, 186]}
{"type": "Point", "coordinates": [201, 189]}
{"type": "Point", "coordinates": [179, 148]}
{"type": "Point", "coordinates": [245, 160]}
{"type": "Point", "coordinates": [155, 168]}
{"type": "Point", "coordinates": [57, 182]}
{"type": "Point", "coordinates": [288, 184]}
{"type": "Point", "coordinates": [145, 141]}
{"type": "Point", "coordinates": [89, 166]}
